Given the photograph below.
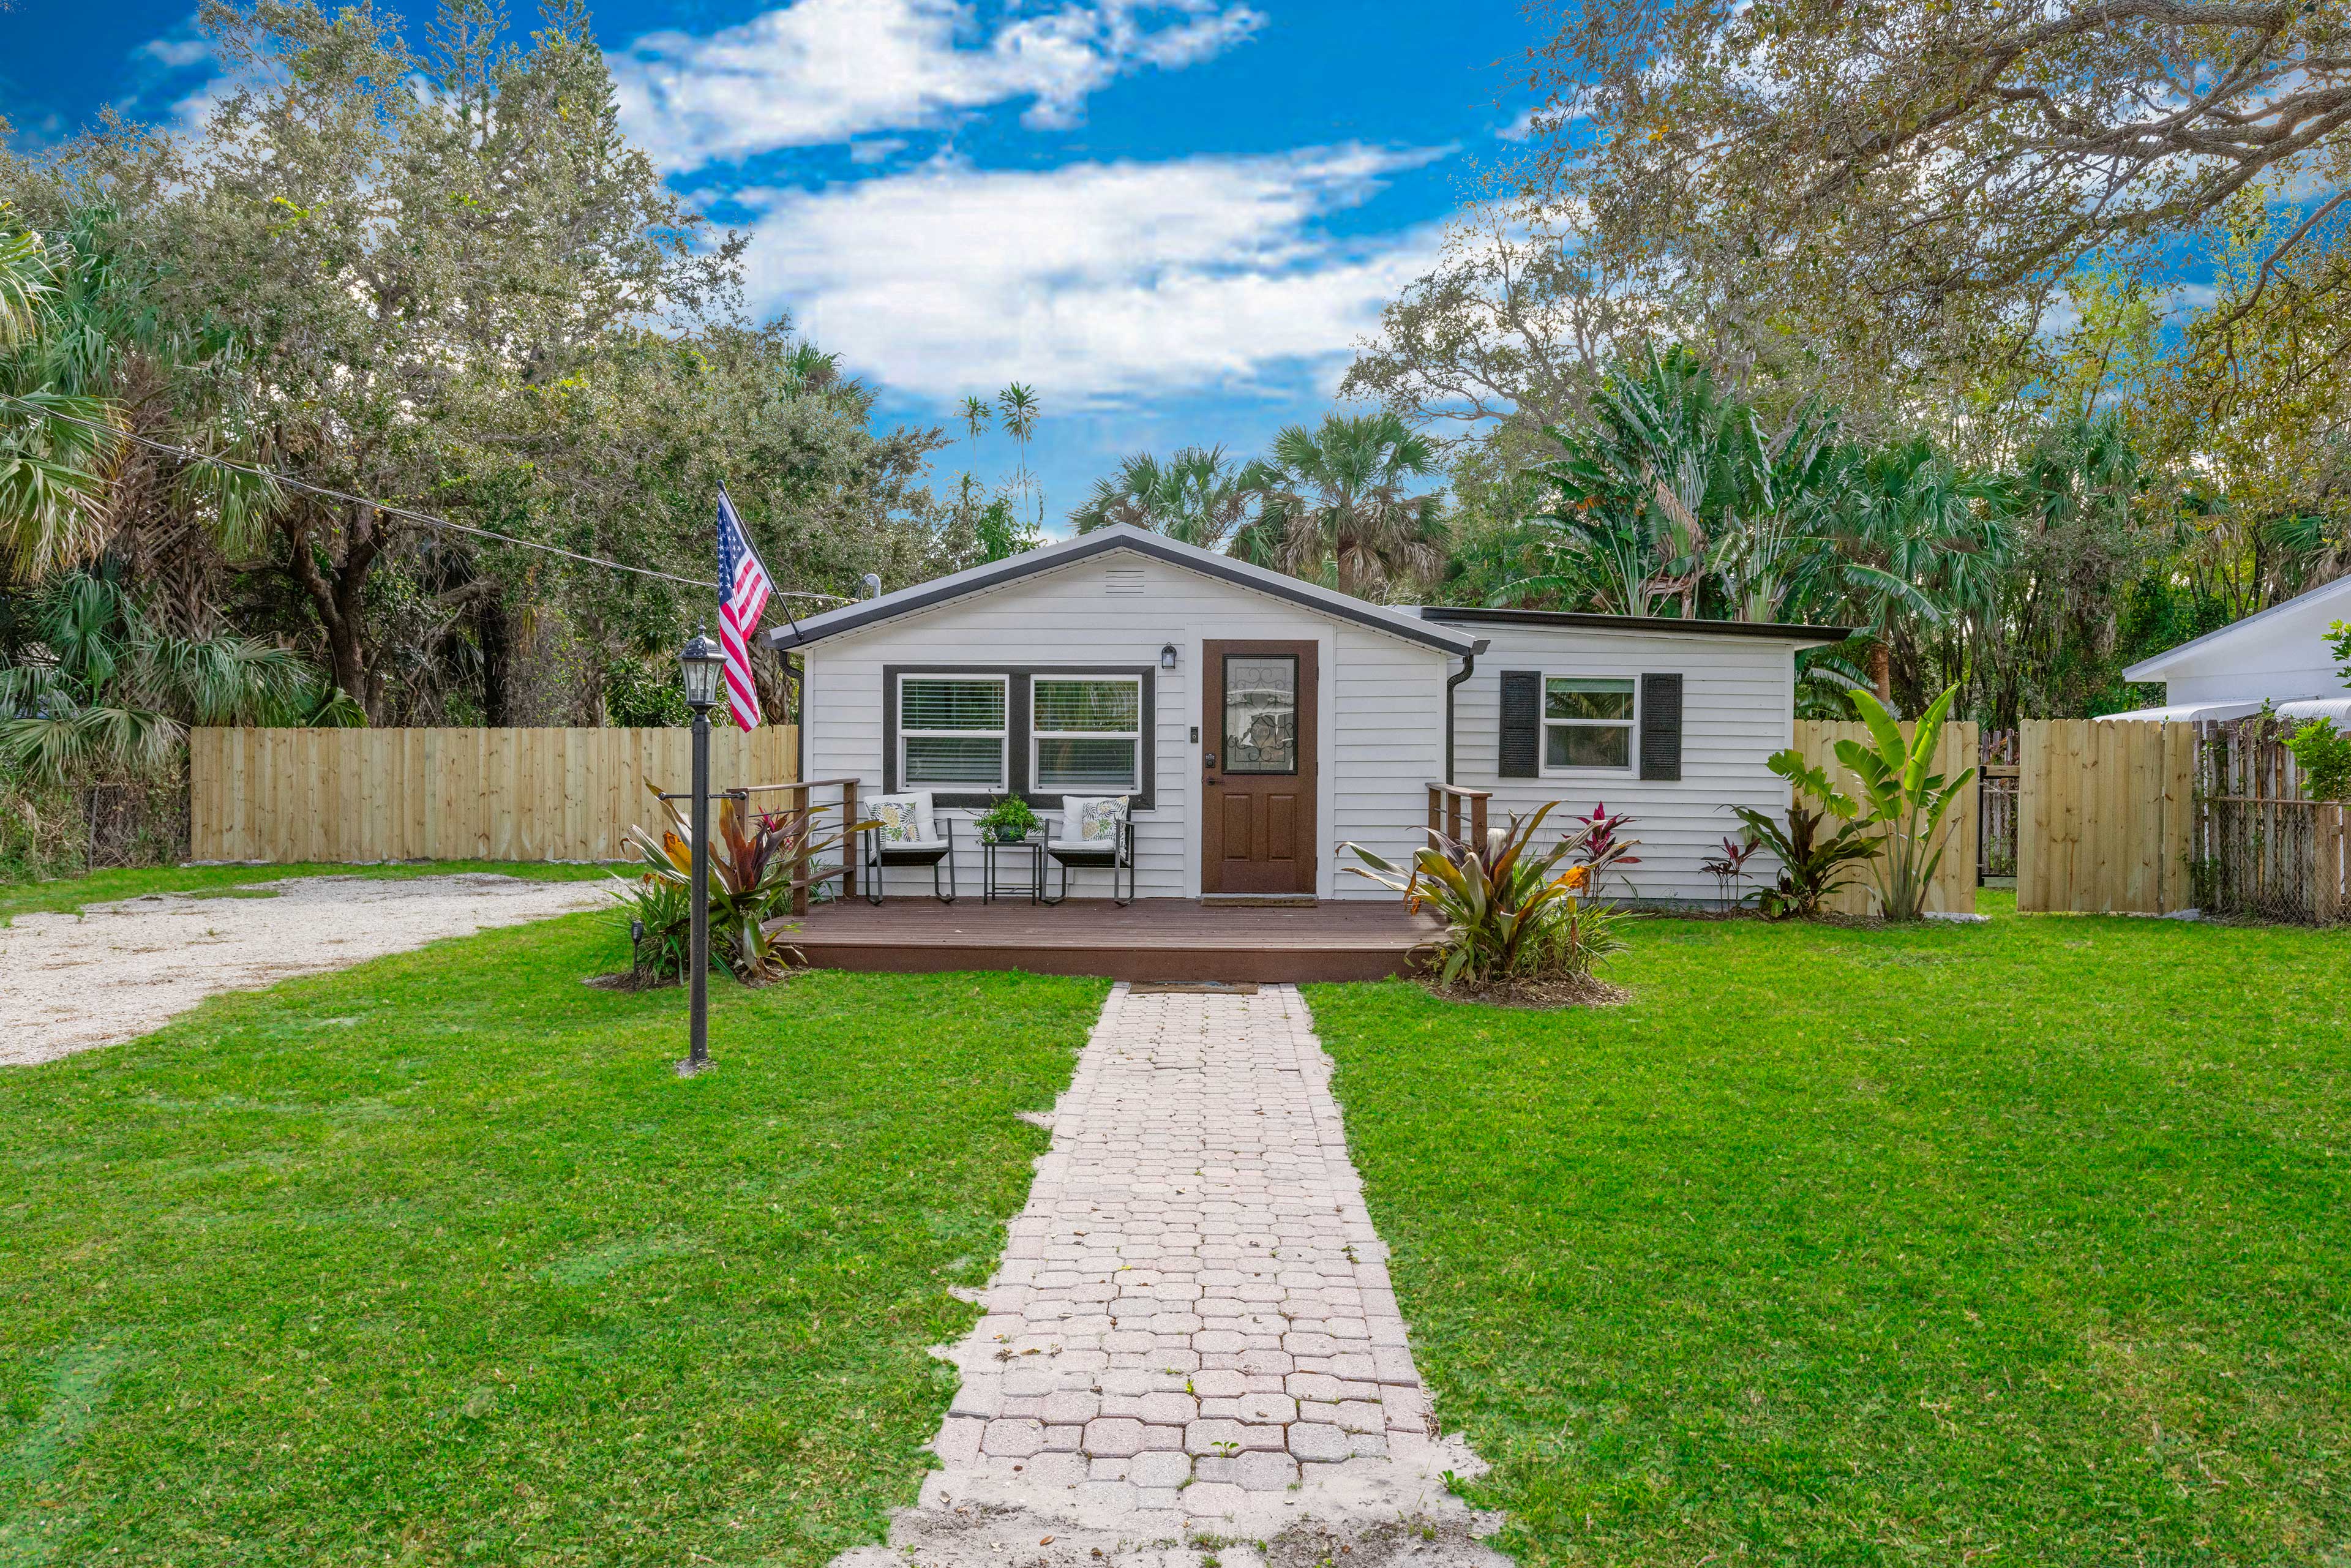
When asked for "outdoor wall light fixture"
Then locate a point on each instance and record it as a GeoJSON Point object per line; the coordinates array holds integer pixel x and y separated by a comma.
{"type": "Point", "coordinates": [700, 664]}
{"type": "Point", "coordinates": [1167, 658]}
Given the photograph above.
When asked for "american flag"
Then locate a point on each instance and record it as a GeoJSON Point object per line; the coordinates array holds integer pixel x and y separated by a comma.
{"type": "Point", "coordinates": [744, 587]}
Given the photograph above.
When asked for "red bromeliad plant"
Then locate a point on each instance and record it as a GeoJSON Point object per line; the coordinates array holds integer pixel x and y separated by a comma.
{"type": "Point", "coordinates": [1510, 913]}
{"type": "Point", "coordinates": [755, 863]}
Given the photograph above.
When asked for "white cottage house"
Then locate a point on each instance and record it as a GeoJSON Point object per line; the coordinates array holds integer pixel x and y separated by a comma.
{"type": "Point", "coordinates": [1254, 723]}
{"type": "Point", "coordinates": [2278, 656]}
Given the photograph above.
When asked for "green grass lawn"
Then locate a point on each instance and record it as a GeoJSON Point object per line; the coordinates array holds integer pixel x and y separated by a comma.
{"type": "Point", "coordinates": [2025, 1243]}
{"type": "Point", "coordinates": [69, 892]}
{"type": "Point", "coordinates": [435, 1261]}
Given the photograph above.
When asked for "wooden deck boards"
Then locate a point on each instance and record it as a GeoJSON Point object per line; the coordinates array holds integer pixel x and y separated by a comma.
{"type": "Point", "coordinates": [1151, 939]}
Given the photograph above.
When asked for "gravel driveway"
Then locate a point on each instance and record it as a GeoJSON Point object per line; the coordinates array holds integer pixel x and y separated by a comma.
{"type": "Point", "coordinates": [114, 971]}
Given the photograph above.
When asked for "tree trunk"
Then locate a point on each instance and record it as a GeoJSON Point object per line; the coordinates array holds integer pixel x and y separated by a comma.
{"type": "Point", "coordinates": [496, 629]}
{"type": "Point", "coordinates": [1881, 671]}
{"type": "Point", "coordinates": [337, 594]}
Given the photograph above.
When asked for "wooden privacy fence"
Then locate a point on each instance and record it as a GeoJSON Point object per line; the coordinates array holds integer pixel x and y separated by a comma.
{"type": "Point", "coordinates": [2105, 816]}
{"type": "Point", "coordinates": [1953, 891]}
{"type": "Point", "coordinates": [359, 795]}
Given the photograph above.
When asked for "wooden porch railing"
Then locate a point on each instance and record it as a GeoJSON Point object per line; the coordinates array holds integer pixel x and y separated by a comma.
{"type": "Point", "coordinates": [1446, 804]}
{"type": "Point", "coordinates": [739, 799]}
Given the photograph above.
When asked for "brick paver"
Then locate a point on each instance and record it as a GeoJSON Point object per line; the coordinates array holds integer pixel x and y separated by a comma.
{"type": "Point", "coordinates": [1193, 1317]}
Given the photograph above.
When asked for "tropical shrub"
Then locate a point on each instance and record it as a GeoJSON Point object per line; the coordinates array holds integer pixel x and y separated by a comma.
{"type": "Point", "coordinates": [2322, 755]}
{"type": "Point", "coordinates": [1904, 799]}
{"type": "Point", "coordinates": [1511, 915]}
{"type": "Point", "coordinates": [1600, 848]}
{"type": "Point", "coordinates": [97, 691]}
{"type": "Point", "coordinates": [1813, 863]}
{"type": "Point", "coordinates": [658, 913]}
{"type": "Point", "coordinates": [1729, 869]}
{"type": "Point", "coordinates": [755, 861]}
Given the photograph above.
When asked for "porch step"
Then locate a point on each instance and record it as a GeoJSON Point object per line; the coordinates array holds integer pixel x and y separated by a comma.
{"type": "Point", "coordinates": [1169, 939]}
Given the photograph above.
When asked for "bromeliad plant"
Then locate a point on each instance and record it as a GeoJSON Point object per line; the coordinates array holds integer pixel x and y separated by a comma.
{"type": "Point", "coordinates": [1511, 914]}
{"type": "Point", "coordinates": [755, 862]}
{"type": "Point", "coordinates": [1813, 861]}
{"type": "Point", "coordinates": [1905, 798]}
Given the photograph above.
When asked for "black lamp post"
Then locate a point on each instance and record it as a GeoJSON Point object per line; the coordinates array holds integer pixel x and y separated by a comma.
{"type": "Point", "coordinates": [699, 663]}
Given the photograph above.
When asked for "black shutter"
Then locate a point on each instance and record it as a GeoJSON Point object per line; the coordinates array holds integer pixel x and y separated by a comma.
{"type": "Point", "coordinates": [1661, 726]}
{"type": "Point", "coordinates": [1521, 725]}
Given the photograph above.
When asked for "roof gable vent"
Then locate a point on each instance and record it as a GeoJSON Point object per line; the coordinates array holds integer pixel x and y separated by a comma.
{"type": "Point", "coordinates": [1123, 579]}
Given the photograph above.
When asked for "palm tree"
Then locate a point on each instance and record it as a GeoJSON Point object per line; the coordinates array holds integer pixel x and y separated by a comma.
{"type": "Point", "coordinates": [1021, 410]}
{"type": "Point", "coordinates": [99, 691]}
{"type": "Point", "coordinates": [85, 361]}
{"type": "Point", "coordinates": [59, 441]}
{"type": "Point", "coordinates": [1198, 497]}
{"type": "Point", "coordinates": [1910, 541]}
{"type": "Point", "coordinates": [1335, 504]}
{"type": "Point", "coordinates": [1672, 489]}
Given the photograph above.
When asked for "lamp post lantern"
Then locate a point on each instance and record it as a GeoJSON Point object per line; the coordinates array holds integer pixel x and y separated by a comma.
{"type": "Point", "coordinates": [699, 664]}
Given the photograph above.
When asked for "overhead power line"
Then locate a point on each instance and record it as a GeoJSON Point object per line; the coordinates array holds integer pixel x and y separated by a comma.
{"type": "Point", "coordinates": [406, 513]}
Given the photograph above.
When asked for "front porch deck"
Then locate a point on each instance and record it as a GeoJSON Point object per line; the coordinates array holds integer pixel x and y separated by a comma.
{"type": "Point", "coordinates": [1151, 939]}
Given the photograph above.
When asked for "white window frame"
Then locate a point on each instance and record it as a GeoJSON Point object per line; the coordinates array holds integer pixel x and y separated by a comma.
{"type": "Point", "coordinates": [1631, 724]}
{"type": "Point", "coordinates": [1003, 737]}
{"type": "Point", "coordinates": [1036, 785]}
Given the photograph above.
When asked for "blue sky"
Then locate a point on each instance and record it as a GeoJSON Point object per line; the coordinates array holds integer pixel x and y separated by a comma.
{"type": "Point", "coordinates": [1173, 220]}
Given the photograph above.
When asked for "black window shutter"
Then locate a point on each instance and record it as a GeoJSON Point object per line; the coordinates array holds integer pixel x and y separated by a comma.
{"type": "Point", "coordinates": [1521, 725]}
{"type": "Point", "coordinates": [1661, 726]}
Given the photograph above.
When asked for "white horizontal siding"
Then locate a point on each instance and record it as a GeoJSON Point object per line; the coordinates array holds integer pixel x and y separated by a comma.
{"type": "Point", "coordinates": [1737, 707]}
{"type": "Point", "coordinates": [1381, 703]}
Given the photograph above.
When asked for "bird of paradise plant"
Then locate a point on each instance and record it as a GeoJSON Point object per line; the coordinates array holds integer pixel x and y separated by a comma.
{"type": "Point", "coordinates": [1904, 797]}
{"type": "Point", "coordinates": [1511, 913]}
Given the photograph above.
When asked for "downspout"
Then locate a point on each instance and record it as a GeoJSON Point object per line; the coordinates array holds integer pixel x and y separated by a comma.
{"type": "Point", "coordinates": [800, 724]}
{"type": "Point", "coordinates": [1468, 663]}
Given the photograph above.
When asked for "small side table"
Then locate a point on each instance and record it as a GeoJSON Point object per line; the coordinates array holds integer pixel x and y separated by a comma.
{"type": "Point", "coordinates": [1003, 862]}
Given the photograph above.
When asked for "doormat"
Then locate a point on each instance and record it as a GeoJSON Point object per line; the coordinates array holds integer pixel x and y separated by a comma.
{"type": "Point", "coordinates": [1259, 901]}
{"type": "Point", "coordinates": [1192, 988]}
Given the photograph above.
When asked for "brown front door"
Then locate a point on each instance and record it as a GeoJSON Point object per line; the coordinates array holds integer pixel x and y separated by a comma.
{"type": "Point", "coordinates": [1257, 794]}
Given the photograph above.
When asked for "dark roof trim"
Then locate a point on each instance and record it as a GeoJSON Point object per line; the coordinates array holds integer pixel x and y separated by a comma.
{"type": "Point", "coordinates": [1774, 631]}
{"type": "Point", "coordinates": [907, 602]}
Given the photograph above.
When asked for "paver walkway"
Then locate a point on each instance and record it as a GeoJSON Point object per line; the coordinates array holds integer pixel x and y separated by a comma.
{"type": "Point", "coordinates": [1192, 1331]}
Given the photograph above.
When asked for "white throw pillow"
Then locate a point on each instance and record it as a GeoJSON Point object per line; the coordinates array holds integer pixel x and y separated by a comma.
{"type": "Point", "coordinates": [1092, 818]}
{"type": "Point", "coordinates": [904, 819]}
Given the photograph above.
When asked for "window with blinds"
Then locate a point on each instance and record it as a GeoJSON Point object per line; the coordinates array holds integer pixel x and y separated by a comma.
{"type": "Point", "coordinates": [952, 731]}
{"type": "Point", "coordinates": [1086, 735]}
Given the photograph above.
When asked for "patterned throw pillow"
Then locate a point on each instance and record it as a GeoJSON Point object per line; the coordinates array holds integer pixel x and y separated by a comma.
{"type": "Point", "coordinates": [904, 819]}
{"type": "Point", "coordinates": [1092, 818]}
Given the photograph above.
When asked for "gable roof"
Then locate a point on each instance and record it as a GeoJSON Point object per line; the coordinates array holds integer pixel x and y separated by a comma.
{"type": "Point", "coordinates": [1772, 631]}
{"type": "Point", "coordinates": [1403, 623]}
{"type": "Point", "coordinates": [2152, 669]}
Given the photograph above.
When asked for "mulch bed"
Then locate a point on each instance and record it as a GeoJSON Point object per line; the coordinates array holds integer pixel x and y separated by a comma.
{"type": "Point", "coordinates": [630, 981]}
{"type": "Point", "coordinates": [1542, 996]}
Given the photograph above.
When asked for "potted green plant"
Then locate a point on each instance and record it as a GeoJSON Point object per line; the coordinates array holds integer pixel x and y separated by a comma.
{"type": "Point", "coordinates": [1007, 821]}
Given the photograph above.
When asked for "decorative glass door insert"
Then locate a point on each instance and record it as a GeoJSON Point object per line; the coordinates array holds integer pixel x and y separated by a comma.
{"type": "Point", "coordinates": [1260, 713]}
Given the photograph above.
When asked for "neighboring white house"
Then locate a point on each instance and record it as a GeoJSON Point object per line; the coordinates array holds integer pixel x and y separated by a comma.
{"type": "Point", "coordinates": [2278, 656]}
{"type": "Point", "coordinates": [1256, 723]}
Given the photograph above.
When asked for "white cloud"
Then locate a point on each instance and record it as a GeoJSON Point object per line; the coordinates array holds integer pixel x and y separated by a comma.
{"type": "Point", "coordinates": [176, 50]}
{"type": "Point", "coordinates": [820, 71]}
{"type": "Point", "coordinates": [1098, 281]}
